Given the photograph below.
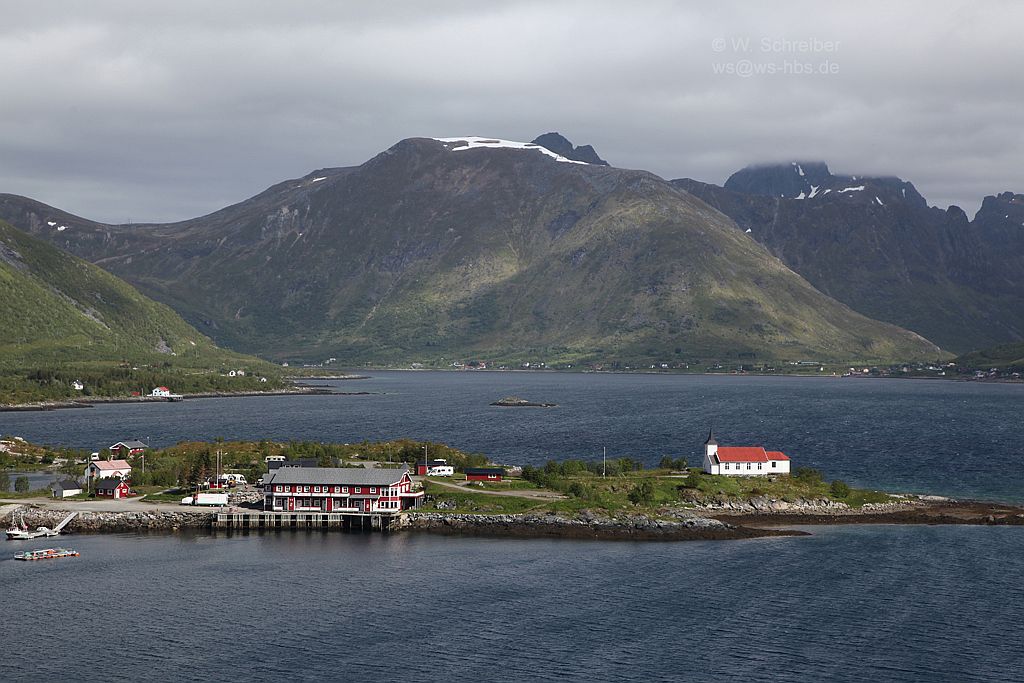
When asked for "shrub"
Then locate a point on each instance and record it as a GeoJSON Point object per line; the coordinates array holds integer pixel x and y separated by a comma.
{"type": "Point", "coordinates": [21, 484]}
{"type": "Point", "coordinates": [692, 480]}
{"type": "Point", "coordinates": [807, 474]}
{"type": "Point", "coordinates": [642, 493]}
{"type": "Point", "coordinates": [839, 489]}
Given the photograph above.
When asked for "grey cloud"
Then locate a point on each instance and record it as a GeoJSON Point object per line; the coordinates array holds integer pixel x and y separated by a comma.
{"type": "Point", "coordinates": [123, 110]}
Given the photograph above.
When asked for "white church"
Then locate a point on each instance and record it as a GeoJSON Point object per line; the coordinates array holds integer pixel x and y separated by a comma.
{"type": "Point", "coordinates": [742, 461]}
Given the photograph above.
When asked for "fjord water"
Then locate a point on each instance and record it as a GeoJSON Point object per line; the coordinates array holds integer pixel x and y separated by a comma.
{"type": "Point", "coordinates": [886, 603]}
{"type": "Point", "coordinates": [942, 437]}
{"type": "Point", "coordinates": [883, 603]}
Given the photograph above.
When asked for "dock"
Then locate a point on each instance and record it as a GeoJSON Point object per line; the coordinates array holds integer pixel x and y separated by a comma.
{"type": "Point", "coordinates": [339, 521]}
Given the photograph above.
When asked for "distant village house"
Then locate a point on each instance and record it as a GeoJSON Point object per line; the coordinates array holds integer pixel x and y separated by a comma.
{"type": "Point", "coordinates": [112, 487]}
{"type": "Point", "coordinates": [127, 449]}
{"type": "Point", "coordinates": [66, 489]}
{"type": "Point", "coordinates": [102, 469]}
{"type": "Point", "coordinates": [484, 473]}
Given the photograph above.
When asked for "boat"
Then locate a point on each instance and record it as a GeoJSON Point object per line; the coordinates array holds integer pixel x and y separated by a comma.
{"type": "Point", "coordinates": [46, 554]}
{"type": "Point", "coordinates": [20, 532]}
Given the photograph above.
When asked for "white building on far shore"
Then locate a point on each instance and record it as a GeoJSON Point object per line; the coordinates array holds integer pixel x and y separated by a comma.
{"type": "Point", "coordinates": [742, 461]}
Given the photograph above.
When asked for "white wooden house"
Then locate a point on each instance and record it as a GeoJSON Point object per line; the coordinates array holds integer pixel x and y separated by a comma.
{"type": "Point", "coordinates": [102, 469]}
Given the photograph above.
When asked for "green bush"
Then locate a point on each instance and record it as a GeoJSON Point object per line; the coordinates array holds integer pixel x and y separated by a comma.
{"type": "Point", "coordinates": [692, 480]}
{"type": "Point", "coordinates": [21, 484]}
{"type": "Point", "coordinates": [807, 474]}
{"type": "Point", "coordinates": [839, 489]}
{"type": "Point", "coordinates": [642, 493]}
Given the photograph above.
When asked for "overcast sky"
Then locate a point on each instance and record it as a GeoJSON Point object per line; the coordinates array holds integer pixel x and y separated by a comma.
{"type": "Point", "coordinates": [121, 110]}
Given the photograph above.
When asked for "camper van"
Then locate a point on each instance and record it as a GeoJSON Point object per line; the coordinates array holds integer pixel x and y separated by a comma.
{"type": "Point", "coordinates": [441, 471]}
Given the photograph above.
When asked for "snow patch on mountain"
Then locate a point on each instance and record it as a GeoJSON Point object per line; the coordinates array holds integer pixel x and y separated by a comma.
{"type": "Point", "coordinates": [474, 142]}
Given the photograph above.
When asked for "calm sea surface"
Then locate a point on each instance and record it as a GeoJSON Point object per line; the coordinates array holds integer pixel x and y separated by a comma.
{"type": "Point", "coordinates": [955, 438]}
{"type": "Point", "coordinates": [870, 603]}
{"type": "Point", "coordinates": [847, 604]}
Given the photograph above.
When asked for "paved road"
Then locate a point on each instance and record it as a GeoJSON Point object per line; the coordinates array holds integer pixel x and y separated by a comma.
{"type": "Point", "coordinates": [532, 494]}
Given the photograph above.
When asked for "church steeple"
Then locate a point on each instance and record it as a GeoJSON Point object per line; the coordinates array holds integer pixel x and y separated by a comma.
{"type": "Point", "coordinates": [710, 446]}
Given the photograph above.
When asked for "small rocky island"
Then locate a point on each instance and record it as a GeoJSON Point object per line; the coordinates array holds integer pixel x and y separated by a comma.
{"type": "Point", "coordinates": [516, 402]}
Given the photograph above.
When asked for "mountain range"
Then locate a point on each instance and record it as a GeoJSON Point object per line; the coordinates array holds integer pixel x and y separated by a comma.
{"type": "Point", "coordinates": [875, 244]}
{"type": "Point", "coordinates": [470, 247]}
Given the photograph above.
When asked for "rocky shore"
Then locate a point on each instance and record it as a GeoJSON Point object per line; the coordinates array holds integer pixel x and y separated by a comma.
{"type": "Point", "coordinates": [903, 510]}
{"type": "Point", "coordinates": [90, 401]}
{"type": "Point", "coordinates": [729, 521]}
{"type": "Point", "coordinates": [584, 525]}
{"type": "Point", "coordinates": [814, 506]}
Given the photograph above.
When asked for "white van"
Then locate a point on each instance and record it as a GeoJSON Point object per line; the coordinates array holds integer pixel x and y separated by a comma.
{"type": "Point", "coordinates": [441, 471]}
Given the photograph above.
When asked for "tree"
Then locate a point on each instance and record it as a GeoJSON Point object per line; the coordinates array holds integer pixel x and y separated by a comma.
{"type": "Point", "coordinates": [642, 493]}
{"type": "Point", "coordinates": [839, 489]}
{"type": "Point", "coordinates": [21, 484]}
{"type": "Point", "coordinates": [5, 482]}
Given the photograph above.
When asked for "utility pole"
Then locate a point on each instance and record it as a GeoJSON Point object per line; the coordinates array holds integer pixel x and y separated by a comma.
{"type": "Point", "coordinates": [604, 467]}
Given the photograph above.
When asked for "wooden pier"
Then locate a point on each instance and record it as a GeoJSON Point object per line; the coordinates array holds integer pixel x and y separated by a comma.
{"type": "Point", "coordinates": [339, 521]}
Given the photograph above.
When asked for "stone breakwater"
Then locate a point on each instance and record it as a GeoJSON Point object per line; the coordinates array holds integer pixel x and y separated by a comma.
{"type": "Point", "coordinates": [584, 525]}
{"type": "Point", "coordinates": [156, 520]}
{"type": "Point", "coordinates": [820, 506]}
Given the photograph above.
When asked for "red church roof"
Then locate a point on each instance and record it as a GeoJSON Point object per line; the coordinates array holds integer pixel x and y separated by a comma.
{"type": "Point", "coordinates": [748, 454]}
{"type": "Point", "coordinates": [742, 454]}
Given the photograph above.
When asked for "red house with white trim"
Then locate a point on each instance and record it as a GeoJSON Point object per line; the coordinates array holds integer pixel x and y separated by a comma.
{"type": "Point", "coordinates": [742, 461]}
{"type": "Point", "coordinates": [112, 487]}
{"type": "Point", "coordinates": [353, 490]}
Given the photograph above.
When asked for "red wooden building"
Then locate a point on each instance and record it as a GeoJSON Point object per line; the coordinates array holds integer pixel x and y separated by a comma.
{"type": "Point", "coordinates": [339, 489]}
{"type": "Point", "coordinates": [484, 473]}
{"type": "Point", "coordinates": [112, 487]}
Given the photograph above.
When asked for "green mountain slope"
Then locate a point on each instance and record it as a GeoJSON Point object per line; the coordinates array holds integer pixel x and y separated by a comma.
{"type": "Point", "coordinates": [434, 250]}
{"type": "Point", "coordinates": [1006, 356]}
{"type": "Point", "coordinates": [64, 316]}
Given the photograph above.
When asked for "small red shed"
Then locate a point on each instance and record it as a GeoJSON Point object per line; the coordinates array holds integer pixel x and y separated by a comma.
{"type": "Point", "coordinates": [484, 473]}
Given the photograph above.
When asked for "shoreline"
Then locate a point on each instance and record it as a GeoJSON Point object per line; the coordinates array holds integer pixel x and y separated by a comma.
{"type": "Point", "coordinates": [91, 401]}
{"type": "Point", "coordinates": [703, 373]}
{"type": "Point", "coordinates": [683, 526]}
{"type": "Point", "coordinates": [934, 512]}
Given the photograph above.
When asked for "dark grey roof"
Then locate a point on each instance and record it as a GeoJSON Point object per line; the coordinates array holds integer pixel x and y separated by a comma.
{"type": "Point", "coordinates": [107, 483]}
{"type": "Point", "coordinates": [485, 470]}
{"type": "Point", "coordinates": [131, 444]}
{"type": "Point", "coordinates": [67, 485]}
{"type": "Point", "coordinates": [711, 438]}
{"type": "Point", "coordinates": [344, 476]}
{"type": "Point", "coordinates": [299, 462]}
